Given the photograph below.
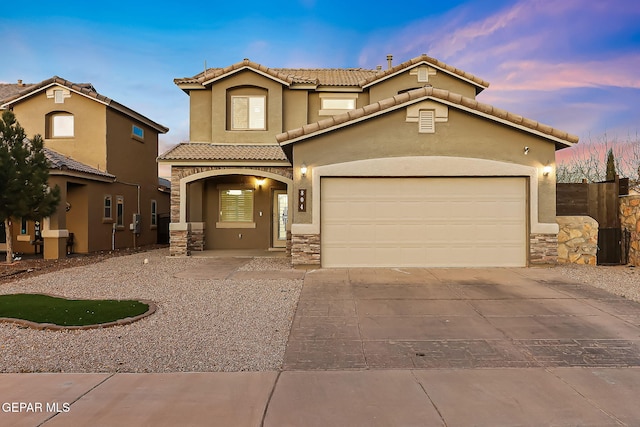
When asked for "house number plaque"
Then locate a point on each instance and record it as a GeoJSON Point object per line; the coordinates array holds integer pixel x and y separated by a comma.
{"type": "Point", "coordinates": [302, 200]}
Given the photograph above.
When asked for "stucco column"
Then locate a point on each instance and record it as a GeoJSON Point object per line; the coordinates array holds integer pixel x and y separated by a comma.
{"type": "Point", "coordinates": [55, 241]}
{"type": "Point", "coordinates": [54, 231]}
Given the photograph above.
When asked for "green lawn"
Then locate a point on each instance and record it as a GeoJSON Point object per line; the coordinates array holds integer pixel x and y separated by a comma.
{"type": "Point", "coordinates": [64, 312]}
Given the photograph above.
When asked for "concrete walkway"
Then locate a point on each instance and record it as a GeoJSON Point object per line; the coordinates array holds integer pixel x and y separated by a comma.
{"type": "Point", "coordinates": [466, 347]}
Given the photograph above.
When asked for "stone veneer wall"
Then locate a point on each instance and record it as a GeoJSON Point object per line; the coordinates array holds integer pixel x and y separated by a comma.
{"type": "Point", "coordinates": [305, 249]}
{"type": "Point", "coordinates": [630, 220]}
{"type": "Point", "coordinates": [543, 248]}
{"type": "Point", "coordinates": [178, 243]}
{"type": "Point", "coordinates": [577, 240]}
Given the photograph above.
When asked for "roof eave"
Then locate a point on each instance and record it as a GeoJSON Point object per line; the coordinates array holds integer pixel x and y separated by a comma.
{"type": "Point", "coordinates": [558, 142]}
{"type": "Point", "coordinates": [243, 68]}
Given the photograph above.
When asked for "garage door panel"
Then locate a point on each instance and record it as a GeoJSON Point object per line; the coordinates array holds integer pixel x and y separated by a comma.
{"type": "Point", "coordinates": [422, 222]}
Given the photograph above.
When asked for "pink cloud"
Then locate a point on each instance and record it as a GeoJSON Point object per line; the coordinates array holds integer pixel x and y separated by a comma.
{"type": "Point", "coordinates": [541, 75]}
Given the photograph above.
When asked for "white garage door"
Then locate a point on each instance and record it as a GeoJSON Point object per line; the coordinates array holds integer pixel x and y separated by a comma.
{"type": "Point", "coordinates": [423, 222]}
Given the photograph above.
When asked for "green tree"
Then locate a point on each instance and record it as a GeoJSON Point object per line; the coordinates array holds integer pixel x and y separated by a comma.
{"type": "Point", "coordinates": [611, 166]}
{"type": "Point", "coordinates": [24, 175]}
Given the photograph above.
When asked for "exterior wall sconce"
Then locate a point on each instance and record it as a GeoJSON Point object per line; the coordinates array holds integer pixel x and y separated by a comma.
{"type": "Point", "coordinates": [303, 169]}
{"type": "Point", "coordinates": [546, 170]}
{"type": "Point", "coordinates": [260, 182]}
{"type": "Point", "coordinates": [526, 150]}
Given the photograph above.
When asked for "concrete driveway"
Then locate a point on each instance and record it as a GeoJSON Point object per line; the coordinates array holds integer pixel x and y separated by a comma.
{"type": "Point", "coordinates": [458, 318]}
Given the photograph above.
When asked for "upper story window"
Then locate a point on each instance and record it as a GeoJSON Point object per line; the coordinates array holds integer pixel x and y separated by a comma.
{"type": "Point", "coordinates": [60, 125]}
{"type": "Point", "coordinates": [248, 112]}
{"type": "Point", "coordinates": [332, 104]}
{"type": "Point", "coordinates": [137, 132]}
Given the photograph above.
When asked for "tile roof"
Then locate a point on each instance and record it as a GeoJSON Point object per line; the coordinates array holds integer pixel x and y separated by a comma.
{"type": "Point", "coordinates": [356, 77]}
{"type": "Point", "coordinates": [8, 90]}
{"type": "Point", "coordinates": [86, 89]}
{"type": "Point", "coordinates": [62, 162]}
{"type": "Point", "coordinates": [425, 58]}
{"type": "Point", "coordinates": [205, 151]}
{"type": "Point", "coordinates": [418, 95]}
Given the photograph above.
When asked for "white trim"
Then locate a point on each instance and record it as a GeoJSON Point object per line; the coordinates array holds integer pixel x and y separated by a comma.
{"type": "Point", "coordinates": [426, 166]}
{"type": "Point", "coordinates": [217, 172]}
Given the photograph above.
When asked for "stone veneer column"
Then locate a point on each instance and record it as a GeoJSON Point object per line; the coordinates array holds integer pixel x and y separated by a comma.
{"type": "Point", "coordinates": [196, 236]}
{"type": "Point", "coordinates": [630, 221]}
{"type": "Point", "coordinates": [305, 249]}
{"type": "Point", "coordinates": [577, 240]}
{"type": "Point", "coordinates": [178, 239]}
{"type": "Point", "coordinates": [543, 249]}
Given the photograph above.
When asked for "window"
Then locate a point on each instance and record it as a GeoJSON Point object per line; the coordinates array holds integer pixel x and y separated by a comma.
{"type": "Point", "coordinates": [236, 208]}
{"type": "Point", "coordinates": [154, 213]}
{"type": "Point", "coordinates": [137, 132]}
{"type": "Point", "coordinates": [61, 125]}
{"type": "Point", "coordinates": [23, 226]}
{"type": "Point", "coordinates": [248, 112]}
{"type": "Point", "coordinates": [332, 103]}
{"type": "Point", "coordinates": [338, 104]}
{"type": "Point", "coordinates": [107, 208]}
{"type": "Point", "coordinates": [120, 211]}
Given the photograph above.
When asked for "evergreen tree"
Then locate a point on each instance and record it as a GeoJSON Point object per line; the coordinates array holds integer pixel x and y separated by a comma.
{"type": "Point", "coordinates": [24, 175]}
{"type": "Point", "coordinates": [611, 166]}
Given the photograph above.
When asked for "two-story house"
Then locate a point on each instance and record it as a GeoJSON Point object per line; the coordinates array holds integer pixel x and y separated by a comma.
{"type": "Point", "coordinates": [102, 155]}
{"type": "Point", "coordinates": [357, 167]}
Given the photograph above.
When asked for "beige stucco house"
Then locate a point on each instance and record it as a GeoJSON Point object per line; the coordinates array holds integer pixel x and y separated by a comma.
{"type": "Point", "coordinates": [400, 167]}
{"type": "Point", "coordinates": [103, 158]}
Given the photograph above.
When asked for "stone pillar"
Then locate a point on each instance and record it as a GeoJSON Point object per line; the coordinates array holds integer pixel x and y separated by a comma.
{"type": "Point", "coordinates": [577, 240]}
{"type": "Point", "coordinates": [178, 238]}
{"type": "Point", "coordinates": [196, 236]}
{"type": "Point", "coordinates": [630, 221]}
{"type": "Point", "coordinates": [186, 237]}
{"type": "Point", "coordinates": [305, 249]}
{"type": "Point", "coordinates": [543, 249]}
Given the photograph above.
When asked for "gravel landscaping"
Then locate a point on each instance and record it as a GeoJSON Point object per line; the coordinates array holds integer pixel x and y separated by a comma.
{"type": "Point", "coordinates": [620, 279]}
{"type": "Point", "coordinates": [200, 325]}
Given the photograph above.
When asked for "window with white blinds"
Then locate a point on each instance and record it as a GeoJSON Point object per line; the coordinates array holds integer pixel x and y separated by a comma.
{"type": "Point", "coordinates": [236, 205]}
{"type": "Point", "coordinates": [248, 113]}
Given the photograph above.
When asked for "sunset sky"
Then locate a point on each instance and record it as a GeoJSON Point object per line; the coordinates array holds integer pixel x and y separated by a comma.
{"type": "Point", "coordinates": [572, 64]}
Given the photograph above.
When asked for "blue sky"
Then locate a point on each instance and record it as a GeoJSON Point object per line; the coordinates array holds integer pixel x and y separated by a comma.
{"type": "Point", "coordinates": [572, 64]}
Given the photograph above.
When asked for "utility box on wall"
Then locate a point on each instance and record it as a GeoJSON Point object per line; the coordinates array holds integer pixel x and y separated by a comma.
{"type": "Point", "coordinates": [136, 225]}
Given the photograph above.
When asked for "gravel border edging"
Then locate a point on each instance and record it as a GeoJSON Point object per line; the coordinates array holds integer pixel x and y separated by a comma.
{"type": "Point", "coordinates": [53, 327]}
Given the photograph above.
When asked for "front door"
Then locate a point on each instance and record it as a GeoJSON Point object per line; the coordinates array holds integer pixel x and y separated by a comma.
{"type": "Point", "coordinates": [280, 218]}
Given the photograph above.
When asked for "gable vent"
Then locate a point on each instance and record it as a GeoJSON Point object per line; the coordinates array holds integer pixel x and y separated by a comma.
{"type": "Point", "coordinates": [426, 121]}
{"type": "Point", "coordinates": [423, 74]}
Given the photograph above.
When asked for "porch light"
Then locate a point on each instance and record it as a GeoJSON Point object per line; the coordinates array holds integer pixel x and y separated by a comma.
{"type": "Point", "coordinates": [303, 169]}
{"type": "Point", "coordinates": [546, 170]}
{"type": "Point", "coordinates": [260, 182]}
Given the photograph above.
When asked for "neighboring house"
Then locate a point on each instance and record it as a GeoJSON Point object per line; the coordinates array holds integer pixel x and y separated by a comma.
{"type": "Point", "coordinates": [351, 167]}
{"type": "Point", "coordinates": [103, 158]}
